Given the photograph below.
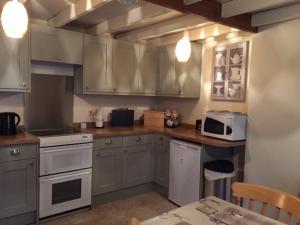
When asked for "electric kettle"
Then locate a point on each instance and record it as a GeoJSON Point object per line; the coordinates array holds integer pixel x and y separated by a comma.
{"type": "Point", "coordinates": [8, 123]}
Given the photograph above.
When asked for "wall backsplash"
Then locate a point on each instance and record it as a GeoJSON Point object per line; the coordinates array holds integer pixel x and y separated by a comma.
{"type": "Point", "coordinates": [12, 102]}
{"type": "Point", "coordinates": [83, 104]}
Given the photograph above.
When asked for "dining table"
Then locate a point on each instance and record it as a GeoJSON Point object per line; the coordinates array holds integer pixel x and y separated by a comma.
{"type": "Point", "coordinates": [211, 211]}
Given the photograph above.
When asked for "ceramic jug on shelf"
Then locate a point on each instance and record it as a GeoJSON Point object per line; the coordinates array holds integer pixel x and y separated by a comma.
{"type": "Point", "coordinates": [220, 60]}
{"type": "Point", "coordinates": [235, 73]}
{"type": "Point", "coordinates": [236, 59]}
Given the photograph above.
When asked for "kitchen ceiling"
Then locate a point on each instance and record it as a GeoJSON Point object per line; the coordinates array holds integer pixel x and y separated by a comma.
{"type": "Point", "coordinates": [107, 11]}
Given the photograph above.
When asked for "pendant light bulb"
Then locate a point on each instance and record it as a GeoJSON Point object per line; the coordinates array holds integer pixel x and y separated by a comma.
{"type": "Point", "coordinates": [183, 49]}
{"type": "Point", "coordinates": [14, 19]}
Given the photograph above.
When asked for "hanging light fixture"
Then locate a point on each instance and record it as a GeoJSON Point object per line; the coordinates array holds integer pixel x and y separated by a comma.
{"type": "Point", "coordinates": [14, 19]}
{"type": "Point", "coordinates": [183, 48]}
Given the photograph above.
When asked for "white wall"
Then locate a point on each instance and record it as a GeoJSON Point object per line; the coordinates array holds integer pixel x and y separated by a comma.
{"type": "Point", "coordinates": [273, 145]}
{"type": "Point", "coordinates": [12, 102]}
{"type": "Point", "coordinates": [82, 105]}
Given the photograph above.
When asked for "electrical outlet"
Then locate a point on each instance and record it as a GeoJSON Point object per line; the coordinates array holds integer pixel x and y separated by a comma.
{"type": "Point", "coordinates": [83, 125]}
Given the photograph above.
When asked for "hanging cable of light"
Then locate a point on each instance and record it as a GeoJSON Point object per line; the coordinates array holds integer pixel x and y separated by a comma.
{"type": "Point", "coordinates": [14, 19]}
{"type": "Point", "coordinates": [183, 48]}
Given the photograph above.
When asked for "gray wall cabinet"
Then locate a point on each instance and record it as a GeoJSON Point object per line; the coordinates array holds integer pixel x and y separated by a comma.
{"type": "Point", "coordinates": [107, 171]}
{"type": "Point", "coordinates": [56, 45]}
{"type": "Point", "coordinates": [167, 75]}
{"type": "Point", "coordinates": [14, 63]}
{"type": "Point", "coordinates": [138, 165]}
{"type": "Point", "coordinates": [177, 78]}
{"type": "Point", "coordinates": [18, 183]}
{"type": "Point", "coordinates": [96, 74]}
{"type": "Point", "coordinates": [125, 67]}
{"type": "Point", "coordinates": [148, 66]}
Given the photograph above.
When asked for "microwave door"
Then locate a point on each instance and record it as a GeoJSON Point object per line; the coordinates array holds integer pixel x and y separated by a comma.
{"type": "Point", "coordinates": [214, 126]}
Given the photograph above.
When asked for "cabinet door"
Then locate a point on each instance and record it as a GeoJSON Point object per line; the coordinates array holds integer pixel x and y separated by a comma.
{"type": "Point", "coordinates": [56, 45]}
{"type": "Point", "coordinates": [138, 165]}
{"type": "Point", "coordinates": [161, 165]}
{"type": "Point", "coordinates": [17, 187]}
{"type": "Point", "coordinates": [167, 76]}
{"type": "Point", "coordinates": [14, 63]}
{"type": "Point", "coordinates": [188, 74]}
{"type": "Point", "coordinates": [107, 171]}
{"type": "Point", "coordinates": [125, 67]}
{"type": "Point", "coordinates": [148, 70]}
{"type": "Point", "coordinates": [96, 74]}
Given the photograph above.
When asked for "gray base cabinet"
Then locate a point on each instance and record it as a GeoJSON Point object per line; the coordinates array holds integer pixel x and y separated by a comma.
{"type": "Point", "coordinates": [18, 183]}
{"type": "Point", "coordinates": [122, 162]}
{"type": "Point", "coordinates": [107, 170]}
{"type": "Point", "coordinates": [161, 159]}
{"type": "Point", "coordinates": [161, 165]}
{"type": "Point", "coordinates": [138, 165]}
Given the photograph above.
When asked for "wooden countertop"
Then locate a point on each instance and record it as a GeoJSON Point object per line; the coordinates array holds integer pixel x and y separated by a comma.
{"type": "Point", "coordinates": [20, 138]}
{"type": "Point", "coordinates": [184, 133]}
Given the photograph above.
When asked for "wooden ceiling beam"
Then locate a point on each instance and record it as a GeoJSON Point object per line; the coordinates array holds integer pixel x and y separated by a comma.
{"type": "Point", "coordinates": [74, 11]}
{"type": "Point", "coordinates": [211, 10]}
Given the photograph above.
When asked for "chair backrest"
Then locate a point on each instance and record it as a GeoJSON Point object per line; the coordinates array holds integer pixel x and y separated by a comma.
{"type": "Point", "coordinates": [268, 196]}
{"type": "Point", "coordinates": [134, 221]}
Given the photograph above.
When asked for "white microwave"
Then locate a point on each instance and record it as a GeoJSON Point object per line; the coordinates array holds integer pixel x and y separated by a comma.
{"type": "Point", "coordinates": [226, 125]}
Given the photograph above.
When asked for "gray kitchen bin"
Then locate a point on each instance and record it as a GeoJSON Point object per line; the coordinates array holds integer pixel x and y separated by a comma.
{"type": "Point", "coordinates": [218, 178]}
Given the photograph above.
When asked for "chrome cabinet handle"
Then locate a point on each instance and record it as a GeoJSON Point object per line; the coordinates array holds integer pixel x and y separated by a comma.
{"type": "Point", "coordinates": [138, 139]}
{"type": "Point", "coordinates": [108, 141]}
{"type": "Point", "coordinates": [15, 152]}
{"type": "Point", "coordinates": [23, 84]}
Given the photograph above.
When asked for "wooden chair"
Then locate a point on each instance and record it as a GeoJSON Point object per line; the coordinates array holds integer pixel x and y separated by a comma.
{"type": "Point", "coordinates": [134, 221]}
{"type": "Point", "coordinates": [268, 196]}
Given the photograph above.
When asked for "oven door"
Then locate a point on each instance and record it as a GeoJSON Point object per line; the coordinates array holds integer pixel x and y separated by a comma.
{"type": "Point", "coordinates": [65, 158]}
{"type": "Point", "coordinates": [63, 192]}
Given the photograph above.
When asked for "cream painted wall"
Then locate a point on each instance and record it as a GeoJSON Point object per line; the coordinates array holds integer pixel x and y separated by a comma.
{"type": "Point", "coordinates": [12, 102]}
{"type": "Point", "coordinates": [192, 109]}
{"type": "Point", "coordinates": [82, 105]}
{"type": "Point", "coordinates": [273, 145]}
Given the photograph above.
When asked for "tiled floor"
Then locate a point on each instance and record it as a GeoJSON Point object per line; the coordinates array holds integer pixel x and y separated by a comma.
{"type": "Point", "coordinates": [142, 206]}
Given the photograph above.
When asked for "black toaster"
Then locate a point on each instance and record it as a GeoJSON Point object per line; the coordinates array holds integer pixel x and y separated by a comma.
{"type": "Point", "coordinates": [122, 118]}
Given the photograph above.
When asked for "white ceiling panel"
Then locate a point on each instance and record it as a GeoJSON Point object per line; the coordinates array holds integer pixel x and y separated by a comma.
{"type": "Point", "coordinates": [106, 12]}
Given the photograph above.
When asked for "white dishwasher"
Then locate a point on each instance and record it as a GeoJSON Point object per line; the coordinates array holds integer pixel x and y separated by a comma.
{"type": "Point", "coordinates": [184, 183]}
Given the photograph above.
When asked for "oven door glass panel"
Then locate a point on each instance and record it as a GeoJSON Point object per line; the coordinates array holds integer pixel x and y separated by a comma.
{"type": "Point", "coordinates": [213, 126]}
{"type": "Point", "coordinates": [66, 191]}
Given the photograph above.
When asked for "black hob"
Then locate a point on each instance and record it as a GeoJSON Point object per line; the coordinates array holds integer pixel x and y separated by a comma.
{"type": "Point", "coordinates": [56, 132]}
